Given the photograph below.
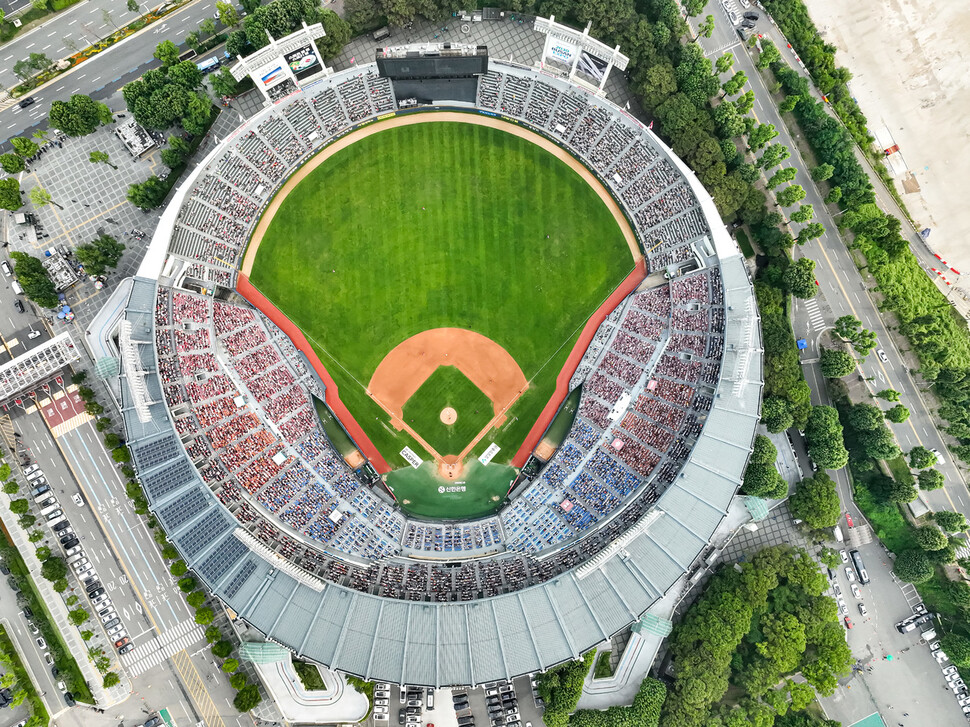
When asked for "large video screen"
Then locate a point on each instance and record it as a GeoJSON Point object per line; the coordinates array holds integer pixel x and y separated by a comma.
{"type": "Point", "coordinates": [433, 66]}
{"type": "Point", "coordinates": [590, 65]}
{"type": "Point", "coordinates": [303, 61]}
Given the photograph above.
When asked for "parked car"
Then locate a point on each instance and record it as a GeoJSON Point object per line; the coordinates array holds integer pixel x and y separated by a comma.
{"type": "Point", "coordinates": [848, 622]}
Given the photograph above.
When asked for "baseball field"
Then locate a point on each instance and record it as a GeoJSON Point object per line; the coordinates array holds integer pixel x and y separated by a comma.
{"type": "Point", "coordinates": [441, 225]}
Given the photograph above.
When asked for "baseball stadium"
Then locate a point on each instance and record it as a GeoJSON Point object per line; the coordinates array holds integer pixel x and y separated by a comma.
{"type": "Point", "coordinates": [440, 376]}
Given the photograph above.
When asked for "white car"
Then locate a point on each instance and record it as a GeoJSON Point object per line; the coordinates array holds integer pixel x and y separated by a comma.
{"type": "Point", "coordinates": [856, 591]}
{"type": "Point", "coordinates": [939, 457]}
{"type": "Point", "coordinates": [381, 702]}
{"type": "Point", "coordinates": [844, 556]}
{"type": "Point", "coordinates": [379, 717]}
{"type": "Point", "coordinates": [77, 499]}
{"type": "Point", "coordinates": [950, 670]}
{"type": "Point", "coordinates": [380, 710]}
{"type": "Point", "coordinates": [882, 355]}
{"type": "Point", "coordinates": [843, 609]}
{"type": "Point", "coordinates": [862, 610]}
{"type": "Point", "coordinates": [850, 575]}
{"type": "Point", "coordinates": [33, 334]}
{"type": "Point", "coordinates": [951, 676]}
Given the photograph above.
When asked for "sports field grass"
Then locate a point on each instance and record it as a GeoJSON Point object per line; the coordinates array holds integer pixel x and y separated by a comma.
{"type": "Point", "coordinates": [441, 225]}
{"type": "Point", "coordinates": [448, 386]}
{"type": "Point", "coordinates": [423, 494]}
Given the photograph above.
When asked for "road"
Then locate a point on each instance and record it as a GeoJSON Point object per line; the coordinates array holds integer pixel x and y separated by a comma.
{"type": "Point", "coordinates": [100, 76]}
{"type": "Point", "coordinates": [842, 290]}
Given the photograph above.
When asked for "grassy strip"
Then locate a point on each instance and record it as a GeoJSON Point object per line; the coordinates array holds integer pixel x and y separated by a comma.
{"type": "Point", "coordinates": [603, 670]}
{"type": "Point", "coordinates": [37, 708]}
{"type": "Point", "coordinates": [744, 243]}
{"type": "Point", "coordinates": [309, 675]}
{"type": "Point", "coordinates": [64, 661]}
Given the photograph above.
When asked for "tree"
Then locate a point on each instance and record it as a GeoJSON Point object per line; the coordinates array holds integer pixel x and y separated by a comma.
{"type": "Point", "coordinates": [913, 566]}
{"type": "Point", "coordinates": [830, 558]}
{"type": "Point", "coordinates": [133, 6]}
{"type": "Point", "coordinates": [773, 155]}
{"type": "Point", "coordinates": [238, 680]}
{"type": "Point", "coordinates": [897, 414]}
{"type": "Point", "coordinates": [237, 43]}
{"type": "Point", "coordinates": [207, 27]}
{"type": "Point", "coordinates": [790, 195]}
{"type": "Point", "coordinates": [53, 569]}
{"type": "Point", "coordinates": [10, 194]}
{"type": "Point", "coordinates": [223, 84]}
{"type": "Point", "coordinates": [809, 232]}
{"type": "Point", "coordinates": [11, 163]}
{"type": "Point", "coordinates": [78, 616]}
{"type": "Point", "coordinates": [865, 417]}
{"type": "Point", "coordinates": [761, 479]}
{"type": "Point", "coordinates": [213, 634]}
{"type": "Point", "coordinates": [930, 480]}
{"type": "Point", "coordinates": [178, 569]}
{"type": "Point", "coordinates": [195, 599]}
{"type": "Point", "coordinates": [761, 135]}
{"type": "Point", "coordinates": [707, 27]}
{"type": "Point", "coordinates": [40, 197]}
{"type": "Point", "coordinates": [823, 432]}
{"type": "Point", "coordinates": [929, 537]}
{"type": "Point", "coordinates": [769, 54]}
{"type": "Point", "coordinates": [230, 665]}
{"type": "Point", "coordinates": [19, 506]}
{"type": "Point", "coordinates": [847, 327]}
{"type": "Point", "coordinates": [167, 52]}
{"type": "Point", "coordinates": [745, 102]}
{"type": "Point", "coordinates": [43, 553]}
{"type": "Point", "coordinates": [816, 502]}
{"type": "Point", "coordinates": [776, 414]}
{"type": "Point", "coordinates": [23, 147]}
{"type": "Point", "coordinates": [11, 488]}
{"type": "Point", "coordinates": [60, 585]}
{"type": "Point", "coordinates": [187, 584]}
{"type": "Point", "coordinates": [97, 256]}
{"type": "Point", "coordinates": [728, 121]}
{"type": "Point", "coordinates": [956, 647]}
{"type": "Point", "coordinates": [694, 7]}
{"type": "Point", "coordinates": [193, 41]}
{"type": "Point", "coordinates": [920, 458]}
{"type": "Point", "coordinates": [247, 698]}
{"type": "Point", "coordinates": [834, 195]}
{"type": "Point", "coordinates": [149, 194]}
{"type": "Point", "coordinates": [889, 395]}
{"type": "Point", "coordinates": [836, 363]}
{"type": "Point", "coordinates": [186, 74]}
{"type": "Point", "coordinates": [101, 157]}
{"type": "Point", "coordinates": [822, 172]}
{"type": "Point", "coordinates": [204, 616]}
{"type": "Point", "coordinates": [803, 214]}
{"type": "Point", "coordinates": [36, 536]}
{"type": "Point", "coordinates": [111, 440]}
{"type": "Point", "coordinates": [227, 14]}
{"type": "Point", "coordinates": [788, 104]}
{"type": "Point", "coordinates": [222, 648]}
{"type": "Point", "coordinates": [734, 84]}
{"type": "Point", "coordinates": [112, 679]}
{"type": "Point", "coordinates": [724, 63]}
{"type": "Point", "coordinates": [879, 444]}
{"type": "Point", "coordinates": [799, 278]}
{"type": "Point", "coordinates": [785, 174]}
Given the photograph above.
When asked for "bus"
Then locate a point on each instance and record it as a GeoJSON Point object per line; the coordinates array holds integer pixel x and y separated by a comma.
{"type": "Point", "coordinates": [859, 566]}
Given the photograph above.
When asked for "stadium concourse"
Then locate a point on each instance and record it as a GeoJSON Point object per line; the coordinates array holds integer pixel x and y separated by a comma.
{"type": "Point", "coordinates": [221, 424]}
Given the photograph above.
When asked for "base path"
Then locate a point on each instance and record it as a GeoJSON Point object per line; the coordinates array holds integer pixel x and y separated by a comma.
{"type": "Point", "coordinates": [250, 293]}
{"type": "Point", "coordinates": [569, 368]}
{"type": "Point", "coordinates": [424, 118]}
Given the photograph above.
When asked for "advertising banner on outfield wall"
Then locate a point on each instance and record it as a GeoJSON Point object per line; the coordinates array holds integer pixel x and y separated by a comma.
{"type": "Point", "coordinates": [559, 52]}
{"type": "Point", "coordinates": [302, 60]}
{"type": "Point", "coordinates": [593, 67]}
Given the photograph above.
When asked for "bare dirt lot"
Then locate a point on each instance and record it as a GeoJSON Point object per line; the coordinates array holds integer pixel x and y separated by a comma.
{"type": "Point", "coordinates": [910, 64]}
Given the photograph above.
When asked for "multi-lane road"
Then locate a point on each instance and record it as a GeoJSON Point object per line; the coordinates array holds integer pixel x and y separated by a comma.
{"type": "Point", "coordinates": [842, 290]}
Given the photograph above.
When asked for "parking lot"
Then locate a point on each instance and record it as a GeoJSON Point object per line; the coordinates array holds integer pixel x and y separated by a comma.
{"type": "Point", "coordinates": [498, 704]}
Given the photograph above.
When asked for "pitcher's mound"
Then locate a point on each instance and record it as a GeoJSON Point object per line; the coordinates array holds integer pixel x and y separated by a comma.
{"type": "Point", "coordinates": [448, 415]}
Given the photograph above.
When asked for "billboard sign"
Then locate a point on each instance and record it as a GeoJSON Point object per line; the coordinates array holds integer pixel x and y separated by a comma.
{"type": "Point", "coordinates": [558, 51]}
{"type": "Point", "coordinates": [271, 74]}
{"type": "Point", "coordinates": [302, 59]}
{"type": "Point", "coordinates": [590, 65]}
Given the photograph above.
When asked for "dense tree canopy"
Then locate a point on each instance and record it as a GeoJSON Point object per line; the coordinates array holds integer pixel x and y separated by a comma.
{"type": "Point", "coordinates": [34, 279]}
{"type": "Point", "coordinates": [950, 521]}
{"type": "Point", "coordinates": [799, 278]}
{"type": "Point", "coordinates": [761, 479]}
{"type": "Point", "coordinates": [100, 254]}
{"type": "Point", "coordinates": [913, 566]}
{"type": "Point", "coordinates": [78, 116]}
{"type": "Point", "coordinates": [921, 458]}
{"type": "Point", "coordinates": [930, 479]}
{"type": "Point", "coordinates": [824, 435]}
{"type": "Point", "coordinates": [816, 501]}
{"type": "Point", "coordinates": [836, 363]}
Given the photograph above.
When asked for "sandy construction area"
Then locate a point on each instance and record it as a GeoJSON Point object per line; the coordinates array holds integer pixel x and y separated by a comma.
{"type": "Point", "coordinates": [910, 75]}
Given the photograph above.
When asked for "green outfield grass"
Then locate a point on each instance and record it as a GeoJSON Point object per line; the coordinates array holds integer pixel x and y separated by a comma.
{"type": "Point", "coordinates": [441, 225]}
{"type": "Point", "coordinates": [447, 386]}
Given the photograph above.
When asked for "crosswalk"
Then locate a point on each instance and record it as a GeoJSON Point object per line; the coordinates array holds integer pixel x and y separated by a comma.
{"type": "Point", "coordinates": [815, 316]}
{"type": "Point", "coordinates": [153, 652]}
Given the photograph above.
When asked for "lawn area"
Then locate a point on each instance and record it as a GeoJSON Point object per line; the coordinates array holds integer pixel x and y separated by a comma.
{"type": "Point", "coordinates": [448, 387]}
{"type": "Point", "coordinates": [441, 225]}
{"type": "Point", "coordinates": [484, 492]}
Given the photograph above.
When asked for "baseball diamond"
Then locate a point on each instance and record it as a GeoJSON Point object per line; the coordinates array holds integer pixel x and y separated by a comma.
{"type": "Point", "coordinates": [486, 245]}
